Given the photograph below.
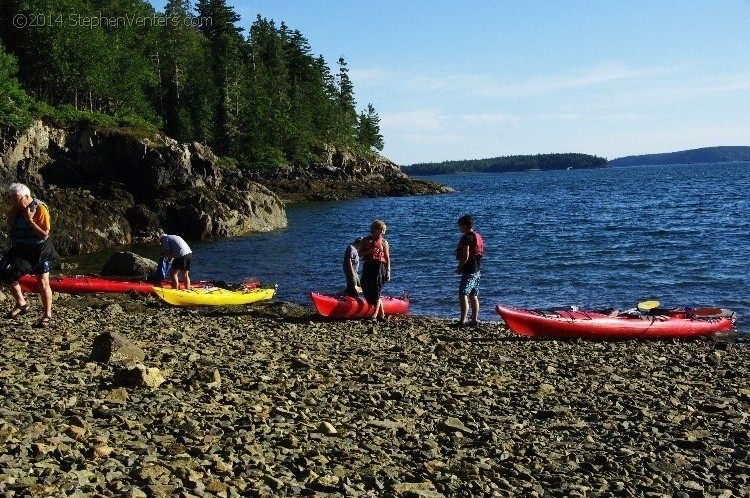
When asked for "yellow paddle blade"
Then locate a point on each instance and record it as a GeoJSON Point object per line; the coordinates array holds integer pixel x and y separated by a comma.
{"type": "Point", "coordinates": [648, 305]}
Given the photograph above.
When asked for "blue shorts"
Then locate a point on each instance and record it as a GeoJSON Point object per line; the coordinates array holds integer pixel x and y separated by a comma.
{"type": "Point", "coordinates": [469, 285]}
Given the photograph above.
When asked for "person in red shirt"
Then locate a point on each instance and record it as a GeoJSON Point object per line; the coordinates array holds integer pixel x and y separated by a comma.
{"type": "Point", "coordinates": [376, 269]}
{"type": "Point", "coordinates": [469, 254]}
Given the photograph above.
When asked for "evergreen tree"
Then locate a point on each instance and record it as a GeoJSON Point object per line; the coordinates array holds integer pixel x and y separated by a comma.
{"type": "Point", "coordinates": [368, 130]}
{"type": "Point", "coordinates": [9, 34]}
{"type": "Point", "coordinates": [14, 103]}
{"type": "Point", "coordinates": [185, 78]}
{"type": "Point", "coordinates": [264, 99]}
{"type": "Point", "coordinates": [225, 42]}
{"type": "Point", "coordinates": [326, 115]}
{"type": "Point", "coordinates": [59, 62]}
{"type": "Point", "coordinates": [346, 107]}
{"type": "Point", "coordinates": [262, 134]}
{"type": "Point", "coordinates": [130, 84]}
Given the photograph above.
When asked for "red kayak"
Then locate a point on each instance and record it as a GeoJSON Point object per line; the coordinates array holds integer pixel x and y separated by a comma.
{"type": "Point", "coordinates": [350, 307]}
{"type": "Point", "coordinates": [583, 324]}
{"type": "Point", "coordinates": [80, 284]}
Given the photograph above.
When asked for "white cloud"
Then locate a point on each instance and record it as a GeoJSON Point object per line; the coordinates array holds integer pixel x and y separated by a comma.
{"type": "Point", "coordinates": [488, 118]}
{"type": "Point", "coordinates": [424, 121]}
{"type": "Point", "coordinates": [489, 86]}
{"type": "Point", "coordinates": [369, 76]}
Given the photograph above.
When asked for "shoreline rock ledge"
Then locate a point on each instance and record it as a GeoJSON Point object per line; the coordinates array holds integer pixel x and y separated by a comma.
{"type": "Point", "coordinates": [109, 187]}
{"type": "Point", "coordinates": [342, 175]}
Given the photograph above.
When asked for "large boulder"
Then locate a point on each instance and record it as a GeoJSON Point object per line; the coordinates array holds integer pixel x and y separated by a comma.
{"type": "Point", "coordinates": [128, 264]}
{"type": "Point", "coordinates": [113, 347]}
{"type": "Point", "coordinates": [243, 207]}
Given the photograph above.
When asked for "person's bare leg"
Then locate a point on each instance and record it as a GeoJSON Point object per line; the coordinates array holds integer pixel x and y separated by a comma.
{"type": "Point", "coordinates": [474, 308]}
{"type": "Point", "coordinates": [175, 279]}
{"type": "Point", "coordinates": [17, 293]}
{"type": "Point", "coordinates": [463, 301]}
{"type": "Point", "coordinates": [186, 277]}
{"type": "Point", "coordinates": [45, 292]}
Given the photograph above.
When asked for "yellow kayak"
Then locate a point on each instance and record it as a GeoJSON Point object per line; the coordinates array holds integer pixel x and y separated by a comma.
{"type": "Point", "coordinates": [213, 296]}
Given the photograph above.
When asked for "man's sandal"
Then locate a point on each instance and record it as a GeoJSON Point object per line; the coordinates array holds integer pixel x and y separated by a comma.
{"type": "Point", "coordinates": [44, 322]}
{"type": "Point", "coordinates": [17, 311]}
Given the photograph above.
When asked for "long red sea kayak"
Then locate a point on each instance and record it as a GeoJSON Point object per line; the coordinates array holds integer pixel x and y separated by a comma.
{"type": "Point", "coordinates": [80, 284]}
{"type": "Point", "coordinates": [582, 324]}
{"type": "Point", "coordinates": [350, 307]}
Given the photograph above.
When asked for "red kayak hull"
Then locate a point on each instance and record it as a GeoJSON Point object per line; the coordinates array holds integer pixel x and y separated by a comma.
{"type": "Point", "coordinates": [350, 307]}
{"type": "Point", "coordinates": [82, 284]}
{"type": "Point", "coordinates": [569, 324]}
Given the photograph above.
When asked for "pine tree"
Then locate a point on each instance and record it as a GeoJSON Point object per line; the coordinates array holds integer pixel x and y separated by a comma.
{"type": "Point", "coordinates": [185, 78]}
{"type": "Point", "coordinates": [264, 99]}
{"type": "Point", "coordinates": [346, 107]}
{"type": "Point", "coordinates": [131, 83]}
{"type": "Point", "coordinates": [368, 130]}
{"type": "Point", "coordinates": [59, 62]}
{"type": "Point", "coordinates": [225, 42]}
{"type": "Point", "coordinates": [14, 103]}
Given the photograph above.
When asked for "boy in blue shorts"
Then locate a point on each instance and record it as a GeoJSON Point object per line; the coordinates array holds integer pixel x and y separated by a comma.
{"type": "Point", "coordinates": [469, 254]}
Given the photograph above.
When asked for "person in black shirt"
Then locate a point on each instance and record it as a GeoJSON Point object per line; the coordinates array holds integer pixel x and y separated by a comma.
{"type": "Point", "coordinates": [351, 268]}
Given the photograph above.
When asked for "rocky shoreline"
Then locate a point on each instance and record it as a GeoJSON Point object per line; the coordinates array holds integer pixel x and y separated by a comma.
{"type": "Point", "coordinates": [114, 187]}
{"type": "Point", "coordinates": [272, 401]}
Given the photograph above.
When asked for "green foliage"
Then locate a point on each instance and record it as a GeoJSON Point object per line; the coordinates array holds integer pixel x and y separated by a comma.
{"type": "Point", "coordinates": [14, 103]}
{"type": "Point", "coordinates": [263, 99]}
{"type": "Point", "coordinates": [509, 163]}
{"type": "Point", "coordinates": [66, 116]}
{"type": "Point", "coordinates": [224, 162]}
{"type": "Point", "coordinates": [368, 130]}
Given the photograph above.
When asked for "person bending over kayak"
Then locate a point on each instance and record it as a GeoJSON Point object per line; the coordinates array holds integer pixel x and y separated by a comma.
{"type": "Point", "coordinates": [351, 268]}
{"type": "Point", "coordinates": [376, 269]}
{"type": "Point", "coordinates": [469, 254]}
{"type": "Point", "coordinates": [174, 248]}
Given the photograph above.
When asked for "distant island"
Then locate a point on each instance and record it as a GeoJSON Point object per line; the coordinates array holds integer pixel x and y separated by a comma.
{"type": "Point", "coordinates": [537, 162]}
{"type": "Point", "coordinates": [693, 156]}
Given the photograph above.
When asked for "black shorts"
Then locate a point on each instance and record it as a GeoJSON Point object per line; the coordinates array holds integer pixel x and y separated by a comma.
{"type": "Point", "coordinates": [373, 278]}
{"type": "Point", "coordinates": [183, 263]}
{"type": "Point", "coordinates": [38, 256]}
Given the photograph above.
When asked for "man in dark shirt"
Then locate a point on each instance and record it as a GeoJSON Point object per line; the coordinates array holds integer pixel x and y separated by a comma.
{"type": "Point", "coordinates": [351, 267]}
{"type": "Point", "coordinates": [469, 254]}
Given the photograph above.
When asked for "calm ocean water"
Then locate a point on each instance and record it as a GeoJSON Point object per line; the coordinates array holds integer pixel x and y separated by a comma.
{"type": "Point", "coordinates": [590, 238]}
{"type": "Point", "coordinates": [600, 238]}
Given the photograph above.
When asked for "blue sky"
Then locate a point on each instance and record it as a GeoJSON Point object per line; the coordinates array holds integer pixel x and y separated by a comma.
{"type": "Point", "coordinates": [473, 79]}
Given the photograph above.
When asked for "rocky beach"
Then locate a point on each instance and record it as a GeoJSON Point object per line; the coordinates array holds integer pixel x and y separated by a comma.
{"type": "Point", "coordinates": [126, 396]}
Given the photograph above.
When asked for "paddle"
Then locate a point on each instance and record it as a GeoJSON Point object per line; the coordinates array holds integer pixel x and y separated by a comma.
{"type": "Point", "coordinates": [648, 305]}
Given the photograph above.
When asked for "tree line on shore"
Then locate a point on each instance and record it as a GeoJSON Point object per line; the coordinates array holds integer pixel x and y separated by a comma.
{"type": "Point", "coordinates": [722, 154]}
{"type": "Point", "coordinates": [261, 98]}
{"type": "Point", "coordinates": [509, 164]}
